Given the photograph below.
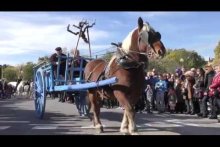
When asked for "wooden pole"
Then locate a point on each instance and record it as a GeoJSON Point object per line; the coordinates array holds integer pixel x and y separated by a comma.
{"type": "Point", "coordinates": [74, 54]}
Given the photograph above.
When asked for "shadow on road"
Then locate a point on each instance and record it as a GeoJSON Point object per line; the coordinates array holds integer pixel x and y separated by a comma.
{"type": "Point", "coordinates": [17, 121]}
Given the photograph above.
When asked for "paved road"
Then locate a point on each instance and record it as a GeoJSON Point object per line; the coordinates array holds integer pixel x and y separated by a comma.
{"type": "Point", "coordinates": [17, 117]}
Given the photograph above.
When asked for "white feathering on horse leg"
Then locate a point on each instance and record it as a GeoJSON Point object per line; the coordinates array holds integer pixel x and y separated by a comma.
{"type": "Point", "coordinates": [124, 124]}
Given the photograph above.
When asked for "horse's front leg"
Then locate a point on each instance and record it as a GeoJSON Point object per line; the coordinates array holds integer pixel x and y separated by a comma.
{"type": "Point", "coordinates": [124, 124]}
{"type": "Point", "coordinates": [131, 119]}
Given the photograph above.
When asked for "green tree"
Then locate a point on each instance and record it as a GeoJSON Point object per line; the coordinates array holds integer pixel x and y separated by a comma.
{"type": "Point", "coordinates": [172, 60]}
{"type": "Point", "coordinates": [28, 71]}
{"type": "Point", "coordinates": [157, 65]}
{"type": "Point", "coordinates": [217, 54]}
{"type": "Point", "coordinates": [190, 59]}
{"type": "Point", "coordinates": [10, 73]}
{"type": "Point", "coordinates": [43, 59]}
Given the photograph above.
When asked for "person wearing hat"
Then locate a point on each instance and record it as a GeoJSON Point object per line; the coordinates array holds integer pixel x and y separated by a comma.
{"type": "Point", "coordinates": [188, 92]}
{"type": "Point", "coordinates": [209, 74]}
{"type": "Point", "coordinates": [54, 62]}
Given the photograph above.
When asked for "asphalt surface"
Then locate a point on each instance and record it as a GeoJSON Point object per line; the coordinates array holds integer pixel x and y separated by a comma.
{"type": "Point", "coordinates": [17, 117]}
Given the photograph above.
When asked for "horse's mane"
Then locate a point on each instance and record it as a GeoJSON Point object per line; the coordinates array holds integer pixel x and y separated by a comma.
{"type": "Point", "coordinates": [126, 43]}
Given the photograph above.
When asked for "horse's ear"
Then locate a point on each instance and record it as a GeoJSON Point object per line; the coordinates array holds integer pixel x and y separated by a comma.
{"type": "Point", "coordinates": [158, 35]}
{"type": "Point", "coordinates": [140, 23]}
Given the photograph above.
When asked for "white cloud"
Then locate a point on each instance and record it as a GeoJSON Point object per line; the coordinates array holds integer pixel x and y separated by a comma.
{"type": "Point", "coordinates": [33, 37]}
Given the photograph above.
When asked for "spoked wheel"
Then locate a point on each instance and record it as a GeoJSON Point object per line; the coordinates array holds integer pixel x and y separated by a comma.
{"type": "Point", "coordinates": [40, 93]}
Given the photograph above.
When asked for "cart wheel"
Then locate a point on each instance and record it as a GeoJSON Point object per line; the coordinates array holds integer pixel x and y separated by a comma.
{"type": "Point", "coordinates": [40, 93]}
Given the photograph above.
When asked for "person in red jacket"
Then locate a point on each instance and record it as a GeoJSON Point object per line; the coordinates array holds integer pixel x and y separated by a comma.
{"type": "Point", "coordinates": [215, 90]}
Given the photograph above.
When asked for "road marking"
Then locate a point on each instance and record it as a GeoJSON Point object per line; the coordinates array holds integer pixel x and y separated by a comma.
{"type": "Point", "coordinates": [4, 127]}
{"type": "Point", "coordinates": [6, 117]}
{"type": "Point", "coordinates": [182, 123]}
{"type": "Point", "coordinates": [148, 129]}
{"type": "Point", "coordinates": [91, 127]}
{"type": "Point", "coordinates": [191, 124]}
{"type": "Point", "coordinates": [88, 127]}
{"type": "Point", "coordinates": [172, 120]}
{"type": "Point", "coordinates": [178, 125]}
{"type": "Point", "coordinates": [10, 121]}
{"type": "Point", "coordinates": [160, 124]}
{"type": "Point", "coordinates": [149, 125]}
{"type": "Point", "coordinates": [45, 127]}
{"type": "Point", "coordinates": [60, 125]}
{"type": "Point", "coordinates": [178, 122]}
{"type": "Point", "coordinates": [151, 129]}
{"type": "Point", "coordinates": [62, 118]}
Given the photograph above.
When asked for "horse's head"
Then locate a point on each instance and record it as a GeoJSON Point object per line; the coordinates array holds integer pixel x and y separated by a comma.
{"type": "Point", "coordinates": [148, 37]}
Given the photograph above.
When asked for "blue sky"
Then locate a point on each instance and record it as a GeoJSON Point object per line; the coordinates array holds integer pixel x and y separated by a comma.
{"type": "Point", "coordinates": [25, 36]}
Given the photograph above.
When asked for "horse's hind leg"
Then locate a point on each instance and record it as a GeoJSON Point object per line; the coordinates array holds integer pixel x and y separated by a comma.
{"type": "Point", "coordinates": [96, 111]}
{"type": "Point", "coordinates": [124, 124]}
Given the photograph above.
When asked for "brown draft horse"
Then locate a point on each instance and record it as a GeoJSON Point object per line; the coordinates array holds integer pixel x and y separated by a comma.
{"type": "Point", "coordinates": [129, 70]}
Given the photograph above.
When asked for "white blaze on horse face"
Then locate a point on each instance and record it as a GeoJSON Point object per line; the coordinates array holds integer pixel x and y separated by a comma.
{"type": "Point", "coordinates": [143, 34]}
{"type": "Point", "coordinates": [143, 38]}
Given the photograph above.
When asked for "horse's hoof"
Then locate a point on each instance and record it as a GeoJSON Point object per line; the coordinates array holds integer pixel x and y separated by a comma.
{"type": "Point", "coordinates": [100, 130]}
{"type": "Point", "coordinates": [124, 131]}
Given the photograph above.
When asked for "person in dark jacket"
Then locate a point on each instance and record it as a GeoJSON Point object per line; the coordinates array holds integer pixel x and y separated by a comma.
{"type": "Point", "coordinates": [54, 61]}
{"type": "Point", "coordinates": [54, 58]}
{"type": "Point", "coordinates": [209, 74]}
{"type": "Point", "coordinates": [199, 88]}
